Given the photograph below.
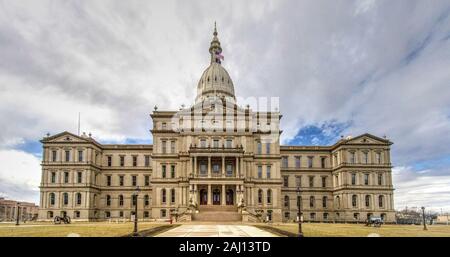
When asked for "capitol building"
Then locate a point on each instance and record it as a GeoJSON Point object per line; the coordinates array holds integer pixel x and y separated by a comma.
{"type": "Point", "coordinates": [216, 161]}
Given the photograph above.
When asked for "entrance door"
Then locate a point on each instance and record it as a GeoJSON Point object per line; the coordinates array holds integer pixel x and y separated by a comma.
{"type": "Point", "coordinates": [203, 197]}
{"type": "Point", "coordinates": [216, 197]}
{"type": "Point", "coordinates": [230, 197]}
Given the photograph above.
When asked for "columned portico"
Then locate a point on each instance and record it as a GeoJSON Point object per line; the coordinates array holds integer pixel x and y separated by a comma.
{"type": "Point", "coordinates": [217, 194]}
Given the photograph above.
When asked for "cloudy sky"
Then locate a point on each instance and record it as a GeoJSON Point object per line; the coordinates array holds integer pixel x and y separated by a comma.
{"type": "Point", "coordinates": [338, 67]}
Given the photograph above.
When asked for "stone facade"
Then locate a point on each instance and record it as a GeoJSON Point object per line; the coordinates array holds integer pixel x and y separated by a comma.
{"type": "Point", "coordinates": [218, 154]}
{"type": "Point", "coordinates": [9, 208]}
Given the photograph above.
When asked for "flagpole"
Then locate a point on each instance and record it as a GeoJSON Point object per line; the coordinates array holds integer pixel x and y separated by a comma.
{"type": "Point", "coordinates": [78, 123]}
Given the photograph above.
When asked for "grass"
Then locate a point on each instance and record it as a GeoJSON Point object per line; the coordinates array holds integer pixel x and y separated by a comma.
{"type": "Point", "coordinates": [97, 229]}
{"type": "Point", "coordinates": [360, 230]}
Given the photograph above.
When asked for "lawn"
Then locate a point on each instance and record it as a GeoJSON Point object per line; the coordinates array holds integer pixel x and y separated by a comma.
{"type": "Point", "coordinates": [360, 230]}
{"type": "Point", "coordinates": [97, 229]}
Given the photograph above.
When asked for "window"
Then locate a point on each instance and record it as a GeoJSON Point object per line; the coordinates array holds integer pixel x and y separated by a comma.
{"type": "Point", "coordinates": [215, 168]}
{"type": "Point", "coordinates": [312, 216]}
{"type": "Point", "coordinates": [66, 177]}
{"type": "Point", "coordinates": [203, 143]}
{"type": "Point", "coordinates": [109, 161]}
{"type": "Point", "coordinates": [107, 214]}
{"type": "Point", "coordinates": [146, 200]}
{"type": "Point", "coordinates": [311, 181]}
{"type": "Point", "coordinates": [121, 214]}
{"type": "Point", "coordinates": [298, 161]}
{"type": "Point", "coordinates": [285, 181]}
{"type": "Point", "coordinates": [122, 160]}
{"type": "Point", "coordinates": [163, 195]}
{"type": "Point", "coordinates": [108, 200]}
{"type": "Point", "coordinates": [147, 160]}
{"type": "Point", "coordinates": [260, 196]}
{"type": "Point", "coordinates": [380, 201]}
{"type": "Point", "coordinates": [352, 157]}
{"type": "Point", "coordinates": [77, 214]}
{"type": "Point", "coordinates": [147, 180]}
{"type": "Point", "coordinates": [65, 198]}
{"type": "Point", "coordinates": [353, 178]}
{"type": "Point", "coordinates": [286, 201]}
{"type": "Point", "coordinates": [312, 201]}
{"type": "Point", "coordinates": [78, 198]}
{"type": "Point", "coordinates": [267, 148]}
{"type": "Point", "coordinates": [268, 171]}
{"type": "Point", "coordinates": [121, 180]}
{"type": "Point", "coordinates": [366, 179]}
{"type": "Point", "coordinates": [54, 156]}
{"type": "Point", "coordinates": [163, 172]}
{"type": "Point", "coordinates": [172, 171]}
{"type": "Point", "coordinates": [229, 143]}
{"type": "Point", "coordinates": [324, 201]}
{"type": "Point", "coordinates": [356, 216]}
{"type": "Point", "coordinates": [134, 180]}
{"type": "Point", "coordinates": [367, 200]}
{"type": "Point", "coordinates": [216, 143]}
{"type": "Point", "coordinates": [163, 213]}
{"type": "Point", "coordinates": [50, 214]}
{"type": "Point", "coordinates": [259, 171]}
{"type": "Point", "coordinates": [108, 180]}
{"type": "Point", "coordinates": [134, 161]}
{"type": "Point", "coordinates": [80, 156]}
{"type": "Point", "coordinates": [259, 150]}
{"type": "Point", "coordinates": [299, 201]}
{"type": "Point", "coordinates": [284, 161]}
{"type": "Point", "coordinates": [287, 215]}
{"type": "Point", "coordinates": [230, 170]}
{"type": "Point", "coordinates": [67, 156]}
{"type": "Point", "coordinates": [172, 195]}
{"type": "Point", "coordinates": [365, 157]}
{"type": "Point", "coordinates": [53, 177]}
{"type": "Point", "coordinates": [269, 196]}
{"type": "Point", "coordinates": [322, 162]}
{"type": "Point", "coordinates": [378, 156]}
{"type": "Point", "coordinates": [133, 199]}
{"type": "Point", "coordinates": [310, 161]}
{"type": "Point", "coordinates": [298, 181]}
{"type": "Point", "coordinates": [146, 214]}
{"type": "Point", "coordinates": [79, 177]}
{"type": "Point", "coordinates": [52, 198]}
{"type": "Point", "coordinates": [380, 179]}
{"type": "Point", "coordinates": [120, 200]}
{"type": "Point", "coordinates": [325, 216]}
{"type": "Point", "coordinates": [163, 146]}
{"type": "Point", "coordinates": [324, 181]}
{"type": "Point", "coordinates": [164, 126]}
{"type": "Point", "coordinates": [354, 200]}
{"type": "Point", "coordinates": [203, 168]}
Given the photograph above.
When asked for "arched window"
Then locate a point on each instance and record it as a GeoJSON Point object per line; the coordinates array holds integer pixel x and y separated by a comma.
{"type": "Point", "coordinates": [354, 200]}
{"type": "Point", "coordinates": [65, 198]}
{"type": "Point", "coordinates": [269, 196]}
{"type": "Point", "coordinates": [312, 200]}
{"type": "Point", "coordinates": [52, 199]}
{"type": "Point", "coordinates": [367, 200]}
{"type": "Point", "coordinates": [338, 202]}
{"type": "Point", "coordinates": [260, 196]}
{"type": "Point", "coordinates": [163, 195]}
{"type": "Point", "coordinates": [108, 200]}
{"type": "Point", "coordinates": [380, 201]}
{"type": "Point", "coordinates": [286, 201]}
{"type": "Point", "coordinates": [324, 201]}
{"type": "Point", "coordinates": [146, 200]}
{"type": "Point", "coordinates": [172, 195]}
{"type": "Point", "coordinates": [78, 198]}
{"type": "Point", "coordinates": [120, 200]}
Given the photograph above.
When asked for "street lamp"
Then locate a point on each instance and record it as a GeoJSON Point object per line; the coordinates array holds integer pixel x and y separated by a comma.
{"type": "Point", "coordinates": [18, 214]}
{"type": "Point", "coordinates": [135, 196]}
{"type": "Point", "coordinates": [299, 214]}
{"type": "Point", "coordinates": [423, 217]}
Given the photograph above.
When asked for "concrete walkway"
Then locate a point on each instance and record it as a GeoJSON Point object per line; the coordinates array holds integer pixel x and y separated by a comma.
{"type": "Point", "coordinates": [216, 231]}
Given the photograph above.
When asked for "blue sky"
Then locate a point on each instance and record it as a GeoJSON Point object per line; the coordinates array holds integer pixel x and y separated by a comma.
{"type": "Point", "coordinates": [338, 68]}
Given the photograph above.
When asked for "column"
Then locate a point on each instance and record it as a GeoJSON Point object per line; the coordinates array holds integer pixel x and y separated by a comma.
{"type": "Point", "coordinates": [195, 197]}
{"type": "Point", "coordinates": [237, 167]}
{"type": "Point", "coordinates": [209, 166]}
{"type": "Point", "coordinates": [223, 195]}
{"type": "Point", "coordinates": [241, 168]}
{"type": "Point", "coordinates": [209, 194]}
{"type": "Point", "coordinates": [190, 166]}
{"type": "Point", "coordinates": [195, 166]}
{"type": "Point", "coordinates": [223, 166]}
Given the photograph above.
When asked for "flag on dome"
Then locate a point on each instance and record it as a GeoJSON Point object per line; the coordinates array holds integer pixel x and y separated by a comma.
{"type": "Point", "coordinates": [219, 56]}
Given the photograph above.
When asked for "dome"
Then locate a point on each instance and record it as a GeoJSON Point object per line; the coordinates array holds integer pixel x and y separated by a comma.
{"type": "Point", "coordinates": [215, 81]}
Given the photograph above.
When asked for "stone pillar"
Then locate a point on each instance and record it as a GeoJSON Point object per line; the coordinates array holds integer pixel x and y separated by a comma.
{"type": "Point", "coordinates": [223, 202]}
{"type": "Point", "coordinates": [223, 166]}
{"type": "Point", "coordinates": [209, 166]}
{"type": "Point", "coordinates": [209, 194]}
{"type": "Point", "coordinates": [195, 196]}
{"type": "Point", "coordinates": [195, 166]}
{"type": "Point", "coordinates": [190, 166]}
{"type": "Point", "coordinates": [237, 167]}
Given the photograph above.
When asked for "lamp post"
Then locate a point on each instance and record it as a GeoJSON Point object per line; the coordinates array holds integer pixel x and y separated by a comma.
{"type": "Point", "coordinates": [18, 214]}
{"type": "Point", "coordinates": [135, 196]}
{"type": "Point", "coordinates": [423, 217]}
{"type": "Point", "coordinates": [299, 214]}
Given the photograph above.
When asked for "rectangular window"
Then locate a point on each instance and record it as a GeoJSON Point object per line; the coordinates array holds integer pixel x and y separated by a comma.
{"type": "Point", "coordinates": [324, 181]}
{"type": "Point", "coordinates": [134, 180]}
{"type": "Point", "coordinates": [284, 161]}
{"type": "Point", "coordinates": [172, 171]}
{"type": "Point", "coordinates": [298, 181]}
{"type": "Point", "coordinates": [164, 146]}
{"type": "Point", "coordinates": [121, 180]}
{"type": "Point", "coordinates": [380, 179]}
{"type": "Point", "coordinates": [79, 177]}
{"type": "Point", "coordinates": [259, 171]}
{"type": "Point", "coordinates": [122, 161]}
{"type": "Point", "coordinates": [66, 177]}
{"type": "Point", "coordinates": [54, 154]}
{"type": "Point", "coordinates": [353, 178]}
{"type": "Point", "coordinates": [285, 181]}
{"type": "Point", "coordinates": [67, 156]}
{"type": "Point", "coordinates": [366, 157]}
{"type": "Point", "coordinates": [322, 162]}
{"type": "Point", "coordinates": [267, 148]}
{"type": "Point", "coordinates": [352, 157]}
{"type": "Point", "coordinates": [172, 146]}
{"type": "Point", "coordinates": [259, 150]}
{"type": "Point", "coordinates": [164, 126]}
{"type": "Point", "coordinates": [378, 158]}
{"type": "Point", "coordinates": [109, 161]}
{"type": "Point", "coordinates": [147, 180]}
{"type": "Point", "coordinates": [229, 143]}
{"type": "Point", "coordinates": [134, 161]}
{"type": "Point", "coordinates": [216, 143]}
{"type": "Point", "coordinates": [311, 181]}
{"type": "Point", "coordinates": [80, 156]}
{"type": "Point", "coordinates": [229, 170]}
{"type": "Point", "coordinates": [163, 171]}
{"type": "Point", "coordinates": [268, 171]}
{"type": "Point", "coordinates": [53, 177]}
{"type": "Point", "coordinates": [366, 179]}
{"type": "Point", "coordinates": [147, 160]}
{"type": "Point", "coordinates": [310, 161]}
{"type": "Point", "coordinates": [297, 161]}
{"type": "Point", "coordinates": [108, 180]}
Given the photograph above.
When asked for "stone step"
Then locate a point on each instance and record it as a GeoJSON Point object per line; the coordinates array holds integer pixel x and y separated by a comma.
{"type": "Point", "coordinates": [217, 208]}
{"type": "Point", "coordinates": [217, 216]}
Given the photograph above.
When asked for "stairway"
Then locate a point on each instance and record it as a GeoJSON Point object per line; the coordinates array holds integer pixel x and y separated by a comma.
{"type": "Point", "coordinates": [217, 213]}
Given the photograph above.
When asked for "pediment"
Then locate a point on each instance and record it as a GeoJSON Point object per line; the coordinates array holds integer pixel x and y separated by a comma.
{"type": "Point", "coordinates": [366, 139]}
{"type": "Point", "coordinates": [64, 137]}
